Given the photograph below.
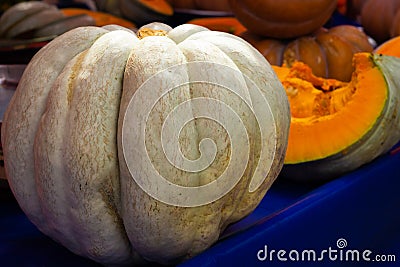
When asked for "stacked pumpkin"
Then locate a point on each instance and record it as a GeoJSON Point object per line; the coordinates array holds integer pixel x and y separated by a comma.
{"type": "Point", "coordinates": [289, 31]}
{"type": "Point", "coordinates": [379, 18]}
{"type": "Point", "coordinates": [343, 98]}
{"type": "Point", "coordinates": [87, 140]}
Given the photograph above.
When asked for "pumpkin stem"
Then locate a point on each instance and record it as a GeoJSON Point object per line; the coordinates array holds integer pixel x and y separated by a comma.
{"type": "Point", "coordinates": [145, 32]}
{"type": "Point", "coordinates": [153, 29]}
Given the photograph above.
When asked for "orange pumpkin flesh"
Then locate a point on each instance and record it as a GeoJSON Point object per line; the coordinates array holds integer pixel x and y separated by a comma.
{"type": "Point", "coordinates": [391, 47]}
{"type": "Point", "coordinates": [328, 115]}
{"type": "Point", "coordinates": [100, 18]}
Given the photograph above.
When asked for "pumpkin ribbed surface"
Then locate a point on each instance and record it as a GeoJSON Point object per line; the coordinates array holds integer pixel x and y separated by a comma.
{"type": "Point", "coordinates": [74, 133]}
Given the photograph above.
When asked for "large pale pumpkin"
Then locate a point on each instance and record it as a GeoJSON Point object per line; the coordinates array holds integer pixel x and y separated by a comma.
{"type": "Point", "coordinates": [337, 127]}
{"type": "Point", "coordinates": [73, 137]}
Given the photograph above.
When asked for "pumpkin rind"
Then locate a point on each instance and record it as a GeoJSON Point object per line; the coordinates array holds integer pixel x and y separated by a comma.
{"type": "Point", "coordinates": [65, 160]}
{"type": "Point", "coordinates": [181, 218]}
{"type": "Point", "coordinates": [90, 158]}
{"type": "Point", "coordinates": [28, 103]}
{"type": "Point", "coordinates": [381, 133]}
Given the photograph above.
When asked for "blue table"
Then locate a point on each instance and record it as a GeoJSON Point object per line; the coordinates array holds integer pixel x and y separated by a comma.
{"type": "Point", "coordinates": [357, 212]}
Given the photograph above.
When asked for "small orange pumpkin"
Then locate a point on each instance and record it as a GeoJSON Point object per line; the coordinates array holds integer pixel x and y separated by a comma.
{"type": "Point", "coordinates": [283, 19]}
{"type": "Point", "coordinates": [329, 52]}
{"type": "Point", "coordinates": [380, 18]}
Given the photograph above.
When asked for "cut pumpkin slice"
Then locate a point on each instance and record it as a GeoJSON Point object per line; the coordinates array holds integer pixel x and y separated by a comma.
{"type": "Point", "coordinates": [338, 126]}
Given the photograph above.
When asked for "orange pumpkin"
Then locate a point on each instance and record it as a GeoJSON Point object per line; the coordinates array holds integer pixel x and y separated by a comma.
{"type": "Point", "coordinates": [380, 18]}
{"type": "Point", "coordinates": [328, 52]}
{"type": "Point", "coordinates": [283, 19]}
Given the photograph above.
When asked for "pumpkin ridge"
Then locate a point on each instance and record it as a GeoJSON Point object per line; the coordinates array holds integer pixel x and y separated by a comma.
{"type": "Point", "coordinates": [231, 215]}
{"type": "Point", "coordinates": [72, 77]}
{"type": "Point", "coordinates": [248, 53]}
{"type": "Point", "coordinates": [27, 106]}
{"type": "Point", "coordinates": [192, 95]}
{"type": "Point", "coordinates": [91, 155]}
{"type": "Point", "coordinates": [280, 20]}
